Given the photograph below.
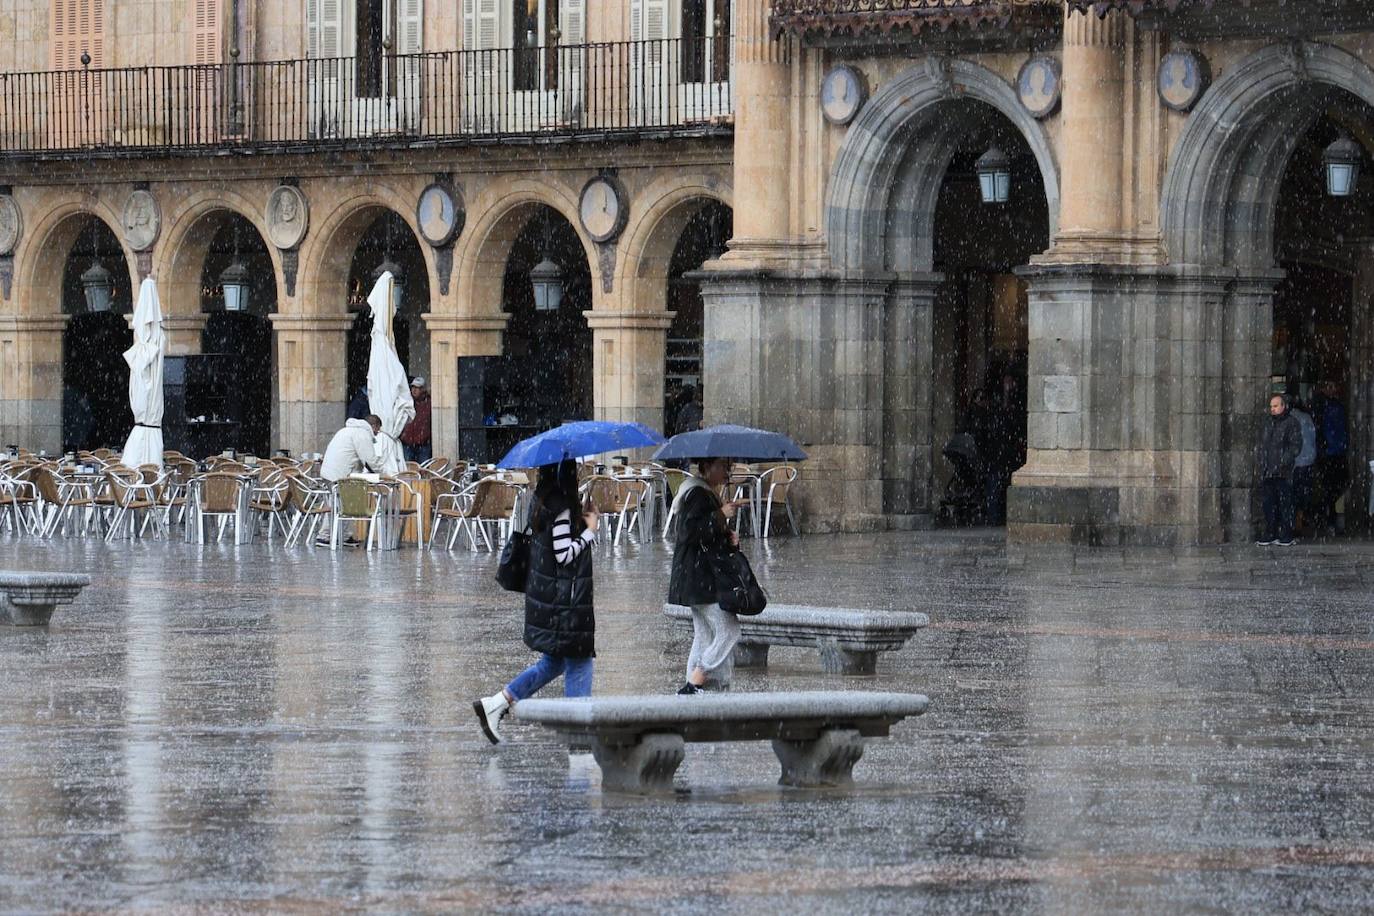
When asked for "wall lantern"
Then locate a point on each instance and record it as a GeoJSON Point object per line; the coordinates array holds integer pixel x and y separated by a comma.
{"type": "Point", "coordinates": [547, 279]}
{"type": "Point", "coordinates": [234, 282]}
{"type": "Point", "coordinates": [994, 176]}
{"type": "Point", "coordinates": [1342, 165]}
{"type": "Point", "coordinates": [99, 289]}
{"type": "Point", "coordinates": [398, 281]}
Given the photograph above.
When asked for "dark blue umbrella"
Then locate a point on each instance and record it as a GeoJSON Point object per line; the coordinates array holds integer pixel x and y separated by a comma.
{"type": "Point", "coordinates": [729, 441]}
{"type": "Point", "coordinates": [578, 440]}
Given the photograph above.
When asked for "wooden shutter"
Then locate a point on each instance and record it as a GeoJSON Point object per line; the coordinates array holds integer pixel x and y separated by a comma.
{"type": "Point", "coordinates": [324, 28]}
{"type": "Point", "coordinates": [655, 19]}
{"type": "Point", "coordinates": [573, 14]}
{"type": "Point", "coordinates": [410, 26]}
{"type": "Point", "coordinates": [77, 26]}
{"type": "Point", "coordinates": [206, 33]}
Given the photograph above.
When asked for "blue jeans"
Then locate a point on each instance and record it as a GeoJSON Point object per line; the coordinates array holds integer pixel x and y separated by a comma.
{"type": "Point", "coordinates": [577, 677]}
{"type": "Point", "coordinates": [418, 453]}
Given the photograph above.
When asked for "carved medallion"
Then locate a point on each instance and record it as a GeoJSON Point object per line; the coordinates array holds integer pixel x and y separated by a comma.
{"type": "Point", "coordinates": [1038, 86]}
{"type": "Point", "coordinates": [11, 225]}
{"type": "Point", "coordinates": [288, 217]}
{"type": "Point", "coordinates": [440, 214]}
{"type": "Point", "coordinates": [142, 221]}
{"type": "Point", "coordinates": [1183, 78]}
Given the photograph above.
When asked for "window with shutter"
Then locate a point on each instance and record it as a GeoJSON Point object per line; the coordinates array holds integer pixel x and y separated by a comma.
{"type": "Point", "coordinates": [206, 33]}
{"type": "Point", "coordinates": [324, 28]}
{"type": "Point", "coordinates": [410, 26]}
{"type": "Point", "coordinates": [77, 26]}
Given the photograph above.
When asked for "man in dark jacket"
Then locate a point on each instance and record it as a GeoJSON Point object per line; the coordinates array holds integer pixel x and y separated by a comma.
{"type": "Point", "coordinates": [1279, 446]}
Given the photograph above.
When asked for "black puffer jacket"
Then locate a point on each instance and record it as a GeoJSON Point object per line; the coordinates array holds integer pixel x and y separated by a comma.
{"type": "Point", "coordinates": [701, 529]}
{"type": "Point", "coordinates": [558, 599]}
{"type": "Point", "coordinates": [1280, 445]}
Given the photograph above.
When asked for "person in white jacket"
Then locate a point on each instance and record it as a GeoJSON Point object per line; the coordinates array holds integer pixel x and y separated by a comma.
{"type": "Point", "coordinates": [352, 449]}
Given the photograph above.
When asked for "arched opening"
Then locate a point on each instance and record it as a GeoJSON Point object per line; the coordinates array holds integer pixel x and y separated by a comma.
{"type": "Point", "coordinates": [543, 376]}
{"type": "Point", "coordinates": [1322, 244]}
{"type": "Point", "coordinates": [702, 239]}
{"type": "Point", "coordinates": [237, 336]}
{"type": "Point", "coordinates": [980, 320]}
{"type": "Point", "coordinates": [387, 243]}
{"type": "Point", "coordinates": [97, 295]}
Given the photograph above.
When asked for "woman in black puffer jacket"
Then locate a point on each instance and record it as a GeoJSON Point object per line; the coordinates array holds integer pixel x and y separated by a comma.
{"type": "Point", "coordinates": [559, 619]}
{"type": "Point", "coordinates": [702, 530]}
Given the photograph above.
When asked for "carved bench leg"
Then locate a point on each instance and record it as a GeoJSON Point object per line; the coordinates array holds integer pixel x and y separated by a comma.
{"type": "Point", "coordinates": [827, 761]}
{"type": "Point", "coordinates": [751, 655]}
{"type": "Point", "coordinates": [644, 767]}
{"type": "Point", "coordinates": [24, 613]}
{"type": "Point", "coordinates": [838, 660]}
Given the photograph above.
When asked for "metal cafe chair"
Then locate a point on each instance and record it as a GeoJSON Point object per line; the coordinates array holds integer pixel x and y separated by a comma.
{"type": "Point", "coordinates": [312, 502]}
{"type": "Point", "coordinates": [219, 495]}
{"type": "Point", "coordinates": [773, 489]}
{"type": "Point", "coordinates": [355, 501]}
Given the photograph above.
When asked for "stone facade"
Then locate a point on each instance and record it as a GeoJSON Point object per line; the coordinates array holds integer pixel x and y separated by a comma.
{"type": "Point", "coordinates": [1149, 318]}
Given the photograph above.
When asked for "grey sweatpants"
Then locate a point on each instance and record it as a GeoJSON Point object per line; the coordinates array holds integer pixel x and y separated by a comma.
{"type": "Point", "coordinates": [714, 634]}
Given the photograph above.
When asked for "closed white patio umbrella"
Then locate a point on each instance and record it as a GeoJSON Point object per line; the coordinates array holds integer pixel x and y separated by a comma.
{"type": "Point", "coordinates": [145, 380]}
{"type": "Point", "coordinates": [388, 388]}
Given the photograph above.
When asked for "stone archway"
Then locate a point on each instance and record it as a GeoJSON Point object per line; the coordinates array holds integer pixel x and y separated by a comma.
{"type": "Point", "coordinates": [1219, 211]}
{"type": "Point", "coordinates": [880, 212]}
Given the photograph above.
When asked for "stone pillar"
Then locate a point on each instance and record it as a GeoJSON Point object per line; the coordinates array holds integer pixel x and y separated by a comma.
{"type": "Point", "coordinates": [1359, 389]}
{"type": "Point", "coordinates": [451, 337]}
{"type": "Point", "coordinates": [806, 355]}
{"type": "Point", "coordinates": [312, 376]}
{"type": "Point", "coordinates": [1247, 351]}
{"type": "Point", "coordinates": [1092, 126]}
{"type": "Point", "coordinates": [31, 381]}
{"type": "Point", "coordinates": [183, 334]}
{"type": "Point", "coordinates": [628, 362]}
{"type": "Point", "coordinates": [762, 86]}
{"type": "Point", "coordinates": [909, 451]}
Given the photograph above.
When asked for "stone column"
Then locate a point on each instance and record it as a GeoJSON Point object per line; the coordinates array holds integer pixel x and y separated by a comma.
{"type": "Point", "coordinates": [312, 376]}
{"type": "Point", "coordinates": [31, 381]}
{"type": "Point", "coordinates": [1359, 389]}
{"type": "Point", "coordinates": [761, 82]}
{"type": "Point", "coordinates": [451, 337]}
{"type": "Point", "coordinates": [909, 451]}
{"type": "Point", "coordinates": [183, 334]}
{"type": "Point", "coordinates": [805, 354]}
{"type": "Point", "coordinates": [1247, 352]}
{"type": "Point", "coordinates": [628, 363]}
{"type": "Point", "coordinates": [1092, 126]}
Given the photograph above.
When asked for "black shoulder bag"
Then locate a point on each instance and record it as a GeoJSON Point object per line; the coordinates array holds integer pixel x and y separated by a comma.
{"type": "Point", "coordinates": [737, 591]}
{"type": "Point", "coordinates": [513, 569]}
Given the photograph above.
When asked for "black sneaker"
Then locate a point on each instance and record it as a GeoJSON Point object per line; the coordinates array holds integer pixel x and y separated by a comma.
{"type": "Point", "coordinates": [1288, 543]}
{"type": "Point", "coordinates": [1264, 543]}
{"type": "Point", "coordinates": [689, 689]}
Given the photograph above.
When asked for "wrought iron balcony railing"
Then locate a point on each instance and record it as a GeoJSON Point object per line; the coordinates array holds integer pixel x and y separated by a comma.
{"type": "Point", "coordinates": [662, 87]}
{"type": "Point", "coordinates": [828, 17]}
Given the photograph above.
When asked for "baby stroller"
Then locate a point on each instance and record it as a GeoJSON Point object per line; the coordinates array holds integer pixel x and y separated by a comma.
{"type": "Point", "coordinates": [965, 500]}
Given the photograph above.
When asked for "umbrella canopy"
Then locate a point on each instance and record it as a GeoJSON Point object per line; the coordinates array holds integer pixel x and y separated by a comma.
{"type": "Point", "coordinates": [578, 440]}
{"type": "Point", "coordinates": [729, 441]}
{"type": "Point", "coordinates": [145, 380]}
{"type": "Point", "coordinates": [388, 387]}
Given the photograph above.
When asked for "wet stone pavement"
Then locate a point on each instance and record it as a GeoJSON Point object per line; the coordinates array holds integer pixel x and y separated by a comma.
{"type": "Point", "coordinates": [256, 728]}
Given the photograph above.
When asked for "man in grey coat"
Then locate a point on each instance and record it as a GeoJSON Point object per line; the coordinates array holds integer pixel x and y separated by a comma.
{"type": "Point", "coordinates": [1279, 446]}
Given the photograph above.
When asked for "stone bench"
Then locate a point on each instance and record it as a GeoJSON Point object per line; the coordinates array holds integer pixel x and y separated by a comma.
{"type": "Point", "coordinates": [638, 741]}
{"type": "Point", "coordinates": [31, 597]}
{"type": "Point", "coordinates": [849, 639]}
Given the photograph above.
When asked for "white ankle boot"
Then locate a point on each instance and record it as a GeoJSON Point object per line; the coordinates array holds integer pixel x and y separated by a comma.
{"type": "Point", "coordinates": [490, 711]}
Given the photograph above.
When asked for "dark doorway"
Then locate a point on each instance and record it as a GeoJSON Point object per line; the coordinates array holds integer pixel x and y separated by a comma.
{"type": "Point", "coordinates": [981, 313]}
{"type": "Point", "coordinates": [95, 378]}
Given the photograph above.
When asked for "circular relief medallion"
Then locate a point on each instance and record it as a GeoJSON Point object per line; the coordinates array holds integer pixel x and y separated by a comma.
{"type": "Point", "coordinates": [843, 93]}
{"type": "Point", "coordinates": [142, 221]}
{"type": "Point", "coordinates": [11, 224]}
{"type": "Point", "coordinates": [1183, 78]}
{"type": "Point", "coordinates": [288, 217]}
{"type": "Point", "coordinates": [440, 214]}
{"type": "Point", "coordinates": [1038, 86]}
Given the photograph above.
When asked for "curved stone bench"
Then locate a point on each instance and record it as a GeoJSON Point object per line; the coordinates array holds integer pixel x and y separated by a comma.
{"type": "Point", "coordinates": [849, 639]}
{"type": "Point", "coordinates": [639, 741]}
{"type": "Point", "coordinates": [31, 597]}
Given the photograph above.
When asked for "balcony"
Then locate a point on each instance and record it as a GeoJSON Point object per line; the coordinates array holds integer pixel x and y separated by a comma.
{"type": "Point", "coordinates": [826, 18]}
{"type": "Point", "coordinates": [661, 88]}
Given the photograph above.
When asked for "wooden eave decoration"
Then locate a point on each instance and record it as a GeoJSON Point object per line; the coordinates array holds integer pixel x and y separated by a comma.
{"type": "Point", "coordinates": [854, 17]}
{"type": "Point", "coordinates": [1134, 7]}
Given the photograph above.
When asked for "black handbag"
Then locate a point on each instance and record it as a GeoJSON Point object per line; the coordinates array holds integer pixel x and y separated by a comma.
{"type": "Point", "coordinates": [514, 566]}
{"type": "Point", "coordinates": [737, 591]}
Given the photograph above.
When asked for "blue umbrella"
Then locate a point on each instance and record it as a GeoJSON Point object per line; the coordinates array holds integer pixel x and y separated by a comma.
{"type": "Point", "coordinates": [578, 440]}
{"type": "Point", "coordinates": [729, 441]}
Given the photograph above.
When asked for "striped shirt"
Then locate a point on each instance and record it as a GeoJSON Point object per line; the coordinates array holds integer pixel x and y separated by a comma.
{"type": "Point", "coordinates": [566, 548]}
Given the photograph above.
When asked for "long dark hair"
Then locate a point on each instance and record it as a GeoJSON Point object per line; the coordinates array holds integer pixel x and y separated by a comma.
{"type": "Point", "coordinates": [556, 492]}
